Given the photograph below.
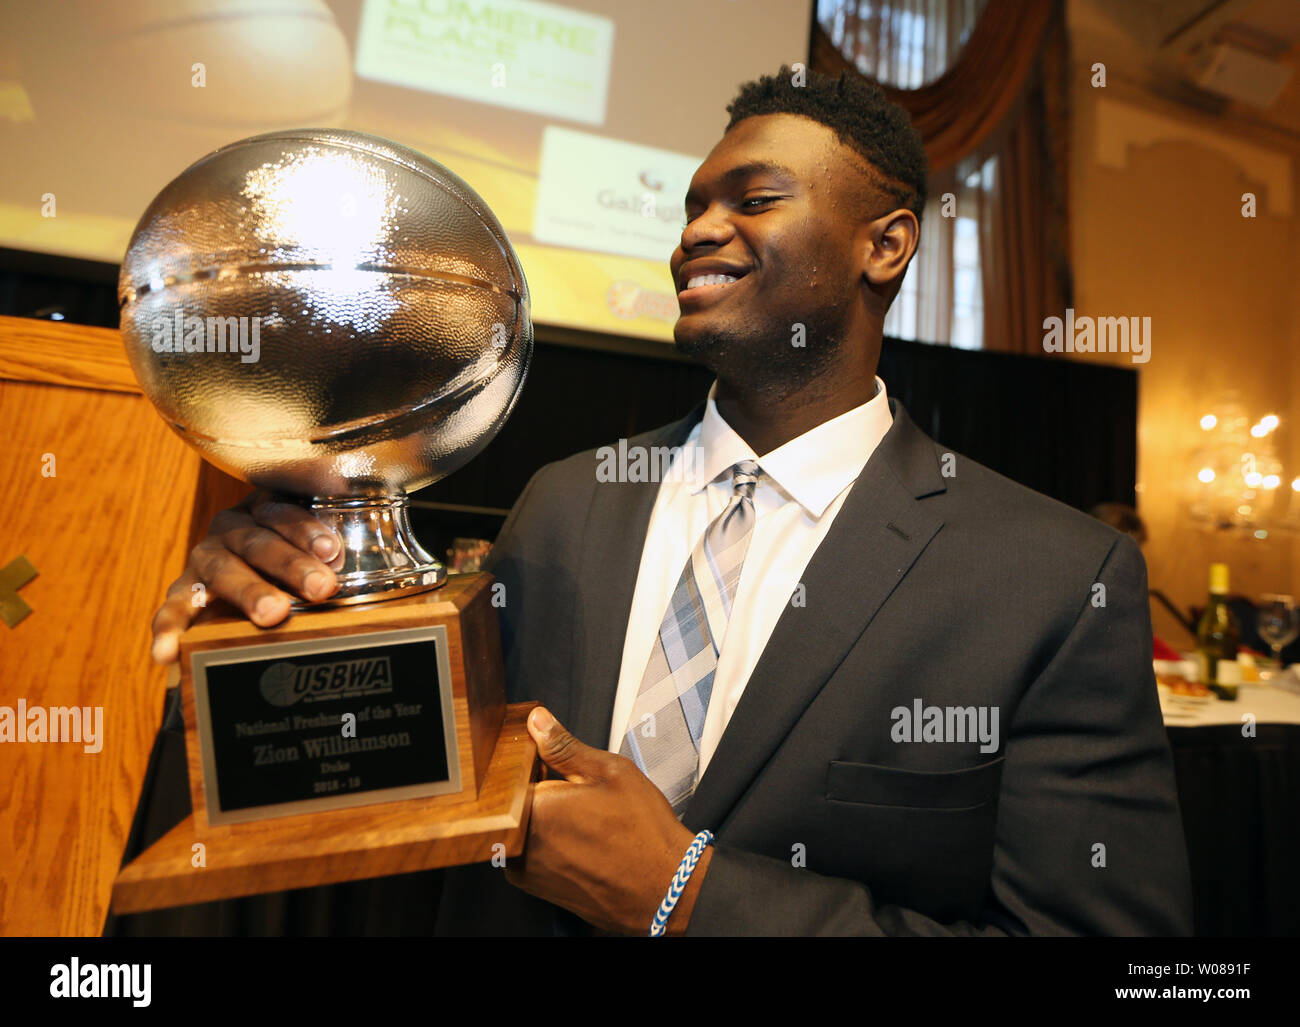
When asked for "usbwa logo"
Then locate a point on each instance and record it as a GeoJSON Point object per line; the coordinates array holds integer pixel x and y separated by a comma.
{"type": "Point", "coordinates": [284, 683]}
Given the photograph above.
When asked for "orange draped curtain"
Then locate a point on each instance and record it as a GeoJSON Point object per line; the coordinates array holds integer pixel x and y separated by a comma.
{"type": "Point", "coordinates": [1004, 95]}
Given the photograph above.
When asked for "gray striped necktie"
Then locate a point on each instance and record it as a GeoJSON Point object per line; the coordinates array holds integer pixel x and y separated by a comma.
{"type": "Point", "coordinates": [663, 733]}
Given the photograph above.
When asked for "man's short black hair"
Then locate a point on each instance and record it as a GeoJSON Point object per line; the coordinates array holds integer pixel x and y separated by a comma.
{"type": "Point", "coordinates": [859, 114]}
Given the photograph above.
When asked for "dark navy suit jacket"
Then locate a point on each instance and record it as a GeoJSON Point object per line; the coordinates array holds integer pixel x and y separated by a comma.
{"type": "Point", "coordinates": [939, 581]}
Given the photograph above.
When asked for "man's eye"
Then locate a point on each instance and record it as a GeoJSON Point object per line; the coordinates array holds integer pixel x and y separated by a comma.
{"type": "Point", "coordinates": [744, 203]}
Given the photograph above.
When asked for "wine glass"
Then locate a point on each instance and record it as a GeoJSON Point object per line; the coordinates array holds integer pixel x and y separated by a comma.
{"type": "Point", "coordinates": [1278, 623]}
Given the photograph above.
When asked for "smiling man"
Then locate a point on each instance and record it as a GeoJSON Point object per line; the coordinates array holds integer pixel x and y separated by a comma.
{"type": "Point", "coordinates": [727, 658]}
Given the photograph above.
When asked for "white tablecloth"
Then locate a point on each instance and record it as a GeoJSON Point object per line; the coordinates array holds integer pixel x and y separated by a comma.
{"type": "Point", "coordinates": [1268, 703]}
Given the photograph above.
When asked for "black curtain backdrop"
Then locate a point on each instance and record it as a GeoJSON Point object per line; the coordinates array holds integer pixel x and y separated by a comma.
{"type": "Point", "coordinates": [1067, 429]}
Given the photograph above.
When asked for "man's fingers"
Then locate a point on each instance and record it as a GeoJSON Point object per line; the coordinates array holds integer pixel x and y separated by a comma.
{"type": "Point", "coordinates": [232, 579]}
{"type": "Point", "coordinates": [250, 548]}
{"type": "Point", "coordinates": [250, 545]}
{"type": "Point", "coordinates": [172, 618]}
{"type": "Point", "coordinates": [298, 525]}
{"type": "Point", "coordinates": [562, 752]}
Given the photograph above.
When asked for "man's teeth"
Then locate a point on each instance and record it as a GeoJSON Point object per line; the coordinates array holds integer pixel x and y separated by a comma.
{"type": "Point", "coordinates": [699, 280]}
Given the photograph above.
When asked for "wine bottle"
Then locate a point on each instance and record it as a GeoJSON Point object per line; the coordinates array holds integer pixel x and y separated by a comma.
{"type": "Point", "coordinates": [1217, 634]}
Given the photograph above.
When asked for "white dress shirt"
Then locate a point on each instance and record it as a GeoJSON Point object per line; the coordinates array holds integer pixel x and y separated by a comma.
{"type": "Point", "coordinates": [802, 487]}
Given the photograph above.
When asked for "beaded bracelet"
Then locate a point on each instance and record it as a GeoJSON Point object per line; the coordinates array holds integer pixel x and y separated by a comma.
{"type": "Point", "coordinates": [659, 925]}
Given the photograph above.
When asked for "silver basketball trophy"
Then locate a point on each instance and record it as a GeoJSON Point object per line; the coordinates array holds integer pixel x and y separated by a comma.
{"type": "Point", "coordinates": [334, 317]}
{"type": "Point", "coordinates": [384, 319]}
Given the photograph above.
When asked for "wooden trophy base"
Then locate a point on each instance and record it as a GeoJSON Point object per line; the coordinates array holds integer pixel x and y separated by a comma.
{"type": "Point", "coordinates": [490, 765]}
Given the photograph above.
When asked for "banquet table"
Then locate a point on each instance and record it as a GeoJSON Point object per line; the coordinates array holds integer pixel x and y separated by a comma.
{"type": "Point", "coordinates": [1238, 770]}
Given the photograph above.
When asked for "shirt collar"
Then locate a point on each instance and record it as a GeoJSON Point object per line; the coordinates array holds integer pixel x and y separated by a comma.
{"type": "Point", "coordinates": [811, 469]}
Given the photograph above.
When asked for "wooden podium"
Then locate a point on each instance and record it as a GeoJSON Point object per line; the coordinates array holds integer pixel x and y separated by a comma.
{"type": "Point", "coordinates": [104, 502]}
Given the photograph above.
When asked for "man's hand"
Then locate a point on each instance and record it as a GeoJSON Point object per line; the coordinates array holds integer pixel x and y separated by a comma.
{"type": "Point", "coordinates": [249, 547]}
{"type": "Point", "coordinates": [603, 843]}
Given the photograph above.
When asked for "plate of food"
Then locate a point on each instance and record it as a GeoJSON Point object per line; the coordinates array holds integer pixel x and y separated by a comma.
{"type": "Point", "coordinates": [1177, 683]}
{"type": "Point", "coordinates": [1187, 693]}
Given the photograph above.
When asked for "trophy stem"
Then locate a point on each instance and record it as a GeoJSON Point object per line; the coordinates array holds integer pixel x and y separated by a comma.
{"type": "Point", "coordinates": [382, 558]}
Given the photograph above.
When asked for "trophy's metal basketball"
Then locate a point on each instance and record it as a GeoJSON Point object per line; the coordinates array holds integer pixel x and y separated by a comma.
{"type": "Point", "coordinates": [330, 315]}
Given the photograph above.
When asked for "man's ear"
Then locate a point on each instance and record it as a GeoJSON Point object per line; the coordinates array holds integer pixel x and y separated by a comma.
{"type": "Point", "coordinates": [889, 244]}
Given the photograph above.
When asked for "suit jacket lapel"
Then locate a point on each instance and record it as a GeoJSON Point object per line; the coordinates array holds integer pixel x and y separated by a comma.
{"type": "Point", "coordinates": [617, 521]}
{"type": "Point", "coordinates": [876, 537]}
